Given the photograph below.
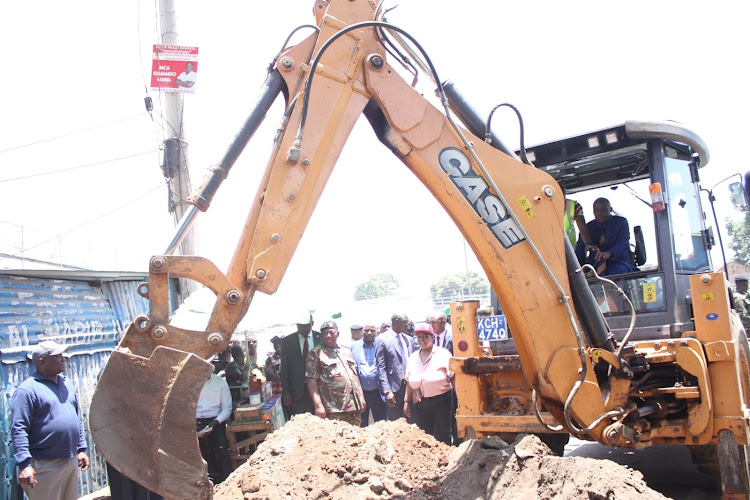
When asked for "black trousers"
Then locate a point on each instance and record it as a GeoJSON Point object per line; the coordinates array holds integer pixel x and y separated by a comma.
{"type": "Point", "coordinates": [377, 405]}
{"type": "Point", "coordinates": [215, 450]}
{"type": "Point", "coordinates": [304, 405]}
{"type": "Point", "coordinates": [121, 487]}
{"type": "Point", "coordinates": [396, 412]}
{"type": "Point", "coordinates": [433, 415]}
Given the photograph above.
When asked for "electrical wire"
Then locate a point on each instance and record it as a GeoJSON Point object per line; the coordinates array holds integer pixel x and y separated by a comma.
{"type": "Point", "coordinates": [85, 223]}
{"type": "Point", "coordinates": [70, 133]}
{"type": "Point", "coordinates": [75, 168]}
{"type": "Point", "coordinates": [158, 37]}
{"type": "Point", "coordinates": [140, 52]}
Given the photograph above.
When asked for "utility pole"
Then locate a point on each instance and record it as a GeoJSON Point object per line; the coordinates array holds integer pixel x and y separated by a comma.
{"type": "Point", "coordinates": [175, 147]}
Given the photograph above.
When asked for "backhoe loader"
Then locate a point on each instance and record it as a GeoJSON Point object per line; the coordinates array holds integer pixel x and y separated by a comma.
{"type": "Point", "coordinates": [690, 388]}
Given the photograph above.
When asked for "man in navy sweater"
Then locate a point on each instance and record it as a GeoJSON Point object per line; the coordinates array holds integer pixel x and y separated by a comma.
{"type": "Point", "coordinates": [46, 428]}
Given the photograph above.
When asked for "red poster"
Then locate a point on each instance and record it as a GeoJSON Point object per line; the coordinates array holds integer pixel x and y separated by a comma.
{"type": "Point", "coordinates": [174, 68]}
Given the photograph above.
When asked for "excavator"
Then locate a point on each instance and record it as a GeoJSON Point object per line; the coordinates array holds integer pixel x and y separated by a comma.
{"type": "Point", "coordinates": [689, 388]}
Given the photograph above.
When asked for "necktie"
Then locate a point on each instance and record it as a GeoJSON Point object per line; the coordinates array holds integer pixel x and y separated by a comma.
{"type": "Point", "coordinates": [304, 350]}
{"type": "Point", "coordinates": [402, 352]}
{"type": "Point", "coordinates": [602, 266]}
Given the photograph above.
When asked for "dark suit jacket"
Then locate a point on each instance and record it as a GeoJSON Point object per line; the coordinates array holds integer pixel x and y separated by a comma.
{"type": "Point", "coordinates": [448, 338]}
{"type": "Point", "coordinates": [390, 365]}
{"type": "Point", "coordinates": [292, 370]}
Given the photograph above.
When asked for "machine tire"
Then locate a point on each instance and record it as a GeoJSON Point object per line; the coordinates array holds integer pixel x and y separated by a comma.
{"type": "Point", "coordinates": [732, 462]}
{"type": "Point", "coordinates": [744, 368]}
{"type": "Point", "coordinates": [470, 433]}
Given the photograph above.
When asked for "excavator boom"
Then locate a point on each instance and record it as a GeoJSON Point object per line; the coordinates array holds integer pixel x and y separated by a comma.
{"type": "Point", "coordinates": [509, 212]}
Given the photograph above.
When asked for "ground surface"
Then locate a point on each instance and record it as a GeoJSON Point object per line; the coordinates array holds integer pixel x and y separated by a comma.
{"type": "Point", "coordinates": [313, 458]}
{"type": "Point", "coordinates": [666, 468]}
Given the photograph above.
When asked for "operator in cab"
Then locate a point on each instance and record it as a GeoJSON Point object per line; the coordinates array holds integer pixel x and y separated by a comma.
{"type": "Point", "coordinates": [608, 251]}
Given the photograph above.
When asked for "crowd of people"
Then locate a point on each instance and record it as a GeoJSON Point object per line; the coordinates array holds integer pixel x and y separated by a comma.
{"type": "Point", "coordinates": [390, 370]}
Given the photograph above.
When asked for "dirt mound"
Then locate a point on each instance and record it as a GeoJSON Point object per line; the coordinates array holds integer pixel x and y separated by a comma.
{"type": "Point", "coordinates": [314, 458]}
{"type": "Point", "coordinates": [489, 468]}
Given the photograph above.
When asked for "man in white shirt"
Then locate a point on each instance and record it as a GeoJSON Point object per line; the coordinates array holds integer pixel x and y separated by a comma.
{"type": "Point", "coordinates": [213, 410]}
{"type": "Point", "coordinates": [443, 336]}
{"type": "Point", "coordinates": [188, 77]}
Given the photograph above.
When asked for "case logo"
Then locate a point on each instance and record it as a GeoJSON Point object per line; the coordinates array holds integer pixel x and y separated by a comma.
{"type": "Point", "coordinates": [474, 188]}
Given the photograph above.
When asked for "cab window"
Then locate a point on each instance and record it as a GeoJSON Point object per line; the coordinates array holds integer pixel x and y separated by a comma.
{"type": "Point", "coordinates": [690, 250]}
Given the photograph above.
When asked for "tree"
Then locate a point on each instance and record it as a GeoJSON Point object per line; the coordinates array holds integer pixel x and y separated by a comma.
{"type": "Point", "coordinates": [379, 285]}
{"type": "Point", "coordinates": [740, 244]}
{"type": "Point", "coordinates": [459, 286]}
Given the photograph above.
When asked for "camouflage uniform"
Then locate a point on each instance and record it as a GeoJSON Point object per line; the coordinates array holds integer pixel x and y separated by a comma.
{"type": "Point", "coordinates": [336, 373]}
{"type": "Point", "coordinates": [742, 303]}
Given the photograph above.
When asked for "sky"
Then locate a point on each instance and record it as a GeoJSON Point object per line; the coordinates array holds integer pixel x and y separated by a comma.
{"type": "Point", "coordinates": [76, 75]}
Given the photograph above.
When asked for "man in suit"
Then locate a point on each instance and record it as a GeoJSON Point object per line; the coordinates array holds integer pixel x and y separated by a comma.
{"type": "Point", "coordinates": [443, 337]}
{"type": "Point", "coordinates": [294, 349]}
{"type": "Point", "coordinates": [392, 350]}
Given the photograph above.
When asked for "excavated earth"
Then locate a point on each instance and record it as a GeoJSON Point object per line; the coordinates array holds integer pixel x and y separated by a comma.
{"type": "Point", "coordinates": [312, 458]}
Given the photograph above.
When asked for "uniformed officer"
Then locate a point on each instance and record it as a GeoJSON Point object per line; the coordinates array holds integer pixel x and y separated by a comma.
{"type": "Point", "coordinates": [742, 301]}
{"type": "Point", "coordinates": [332, 380]}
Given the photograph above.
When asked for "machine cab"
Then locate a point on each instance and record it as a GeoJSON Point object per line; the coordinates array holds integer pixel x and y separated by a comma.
{"type": "Point", "coordinates": [649, 173]}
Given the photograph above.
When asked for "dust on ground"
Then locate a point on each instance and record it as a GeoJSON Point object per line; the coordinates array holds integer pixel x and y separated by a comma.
{"type": "Point", "coordinates": [311, 458]}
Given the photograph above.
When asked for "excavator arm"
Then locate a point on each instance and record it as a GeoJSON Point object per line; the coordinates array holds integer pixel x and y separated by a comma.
{"type": "Point", "coordinates": [142, 414]}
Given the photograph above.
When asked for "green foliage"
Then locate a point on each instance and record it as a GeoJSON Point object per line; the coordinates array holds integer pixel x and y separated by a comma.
{"type": "Point", "coordinates": [379, 285]}
{"type": "Point", "coordinates": [740, 244]}
{"type": "Point", "coordinates": [457, 286]}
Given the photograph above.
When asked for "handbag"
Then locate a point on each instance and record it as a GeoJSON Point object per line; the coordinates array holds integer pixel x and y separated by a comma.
{"type": "Point", "coordinates": [416, 395]}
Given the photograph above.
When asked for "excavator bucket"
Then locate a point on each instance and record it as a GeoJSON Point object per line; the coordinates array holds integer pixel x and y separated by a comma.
{"type": "Point", "coordinates": [149, 434]}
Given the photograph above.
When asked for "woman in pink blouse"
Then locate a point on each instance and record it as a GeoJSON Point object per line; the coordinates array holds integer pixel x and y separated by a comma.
{"type": "Point", "coordinates": [429, 384]}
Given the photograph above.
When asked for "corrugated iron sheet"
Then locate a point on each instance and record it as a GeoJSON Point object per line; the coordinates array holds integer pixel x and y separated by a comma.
{"type": "Point", "coordinates": [68, 312]}
{"type": "Point", "coordinates": [125, 301]}
{"type": "Point", "coordinates": [88, 315]}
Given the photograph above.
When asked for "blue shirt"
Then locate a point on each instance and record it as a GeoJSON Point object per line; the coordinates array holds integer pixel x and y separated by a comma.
{"type": "Point", "coordinates": [364, 356]}
{"type": "Point", "coordinates": [614, 237]}
{"type": "Point", "coordinates": [45, 420]}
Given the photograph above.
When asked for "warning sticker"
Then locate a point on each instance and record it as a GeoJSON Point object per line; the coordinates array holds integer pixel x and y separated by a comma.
{"type": "Point", "coordinates": [461, 325]}
{"type": "Point", "coordinates": [526, 206]}
{"type": "Point", "coordinates": [649, 292]}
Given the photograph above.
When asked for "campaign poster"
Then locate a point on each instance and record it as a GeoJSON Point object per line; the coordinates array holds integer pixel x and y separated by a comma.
{"type": "Point", "coordinates": [174, 68]}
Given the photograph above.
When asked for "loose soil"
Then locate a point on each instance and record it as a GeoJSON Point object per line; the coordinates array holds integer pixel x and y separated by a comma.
{"type": "Point", "coordinates": [311, 458]}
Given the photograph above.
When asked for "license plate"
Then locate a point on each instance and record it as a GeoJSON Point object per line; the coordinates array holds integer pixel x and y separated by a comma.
{"type": "Point", "coordinates": [492, 328]}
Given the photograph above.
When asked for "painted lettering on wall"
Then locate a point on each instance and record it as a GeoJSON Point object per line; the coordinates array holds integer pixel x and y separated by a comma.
{"type": "Point", "coordinates": [63, 332]}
